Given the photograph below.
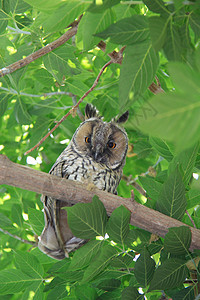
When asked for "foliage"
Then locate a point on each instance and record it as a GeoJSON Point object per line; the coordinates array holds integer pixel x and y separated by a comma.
{"type": "Point", "coordinates": [161, 39]}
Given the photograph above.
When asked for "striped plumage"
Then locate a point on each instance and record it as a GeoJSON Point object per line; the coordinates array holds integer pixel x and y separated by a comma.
{"type": "Point", "coordinates": [89, 158]}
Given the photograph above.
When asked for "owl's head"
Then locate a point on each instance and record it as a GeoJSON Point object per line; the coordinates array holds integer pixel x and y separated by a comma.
{"type": "Point", "coordinates": [105, 142]}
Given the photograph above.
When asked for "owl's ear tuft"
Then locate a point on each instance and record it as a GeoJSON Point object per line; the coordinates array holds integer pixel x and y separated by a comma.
{"type": "Point", "coordinates": [123, 118]}
{"type": "Point", "coordinates": [91, 111]}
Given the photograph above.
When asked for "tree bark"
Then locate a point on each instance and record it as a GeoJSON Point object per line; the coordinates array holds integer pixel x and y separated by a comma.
{"type": "Point", "coordinates": [73, 192]}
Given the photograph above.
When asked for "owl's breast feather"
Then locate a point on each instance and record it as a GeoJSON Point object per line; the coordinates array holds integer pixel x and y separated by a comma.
{"type": "Point", "coordinates": [87, 171]}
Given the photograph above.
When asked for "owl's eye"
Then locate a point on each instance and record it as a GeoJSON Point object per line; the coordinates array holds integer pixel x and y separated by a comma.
{"type": "Point", "coordinates": [88, 139]}
{"type": "Point", "coordinates": [111, 145]}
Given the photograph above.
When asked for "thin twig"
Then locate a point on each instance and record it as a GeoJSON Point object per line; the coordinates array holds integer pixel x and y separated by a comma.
{"type": "Point", "coordinates": [18, 238]}
{"type": "Point", "coordinates": [147, 172]}
{"type": "Point", "coordinates": [12, 91]}
{"type": "Point", "coordinates": [18, 31]}
{"type": "Point", "coordinates": [192, 221]}
{"type": "Point", "coordinates": [79, 113]}
{"type": "Point", "coordinates": [134, 184]}
{"type": "Point", "coordinates": [71, 110]}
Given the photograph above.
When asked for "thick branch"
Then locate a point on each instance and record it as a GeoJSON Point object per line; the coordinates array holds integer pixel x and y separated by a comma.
{"type": "Point", "coordinates": [73, 192]}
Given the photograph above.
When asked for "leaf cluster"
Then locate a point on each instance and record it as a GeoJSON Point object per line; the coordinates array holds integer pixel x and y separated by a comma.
{"type": "Point", "coordinates": [119, 261]}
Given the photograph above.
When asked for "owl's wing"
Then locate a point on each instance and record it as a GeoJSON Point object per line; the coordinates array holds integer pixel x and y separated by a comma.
{"type": "Point", "coordinates": [57, 239]}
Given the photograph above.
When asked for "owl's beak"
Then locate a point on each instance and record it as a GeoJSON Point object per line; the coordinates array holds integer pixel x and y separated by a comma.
{"type": "Point", "coordinates": [98, 153]}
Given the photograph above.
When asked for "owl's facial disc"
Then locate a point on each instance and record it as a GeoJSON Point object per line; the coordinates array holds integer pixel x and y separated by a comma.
{"type": "Point", "coordinates": [105, 142]}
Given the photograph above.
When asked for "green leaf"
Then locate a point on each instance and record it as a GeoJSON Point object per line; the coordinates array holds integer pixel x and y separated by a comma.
{"type": "Point", "coordinates": [17, 214]}
{"type": "Point", "coordinates": [21, 114]}
{"type": "Point", "coordinates": [157, 6]}
{"type": "Point", "coordinates": [186, 160]}
{"type": "Point", "coordinates": [165, 117]}
{"type": "Point", "coordinates": [158, 30]}
{"type": "Point", "coordinates": [59, 267]}
{"type": "Point", "coordinates": [29, 264]}
{"type": "Point", "coordinates": [185, 294]}
{"type": "Point", "coordinates": [4, 100]}
{"type": "Point", "coordinates": [72, 276]}
{"type": "Point", "coordinates": [169, 275]}
{"type": "Point", "coordinates": [95, 8]}
{"type": "Point", "coordinates": [56, 62]}
{"type": "Point", "coordinates": [35, 288]}
{"type": "Point", "coordinates": [36, 220]}
{"type": "Point", "coordinates": [3, 21]}
{"type": "Point", "coordinates": [14, 281]}
{"type": "Point", "coordinates": [137, 239]}
{"type": "Point", "coordinates": [162, 147]}
{"type": "Point", "coordinates": [142, 149]}
{"type": "Point", "coordinates": [110, 273]}
{"type": "Point", "coordinates": [45, 107]}
{"type": "Point", "coordinates": [77, 87]}
{"type": "Point", "coordinates": [39, 130]}
{"type": "Point", "coordinates": [56, 281]}
{"type": "Point", "coordinates": [86, 292]}
{"type": "Point", "coordinates": [114, 295]}
{"type": "Point", "coordinates": [44, 77]}
{"type": "Point", "coordinates": [91, 24]}
{"type": "Point", "coordinates": [87, 220]}
{"type": "Point", "coordinates": [58, 292]}
{"type": "Point", "coordinates": [144, 268]}
{"type": "Point", "coordinates": [118, 224]}
{"type": "Point", "coordinates": [151, 186]}
{"type": "Point", "coordinates": [155, 247]}
{"type": "Point", "coordinates": [64, 15]}
{"type": "Point", "coordinates": [127, 31]}
{"type": "Point", "coordinates": [193, 198]}
{"type": "Point", "coordinates": [44, 5]}
{"type": "Point", "coordinates": [5, 222]}
{"type": "Point", "coordinates": [172, 46]}
{"type": "Point", "coordinates": [172, 200]}
{"type": "Point", "coordinates": [178, 4]}
{"type": "Point", "coordinates": [122, 261]}
{"type": "Point", "coordinates": [137, 72]}
{"type": "Point", "coordinates": [6, 260]}
{"type": "Point", "coordinates": [195, 24]}
{"type": "Point", "coordinates": [18, 6]}
{"type": "Point", "coordinates": [96, 267]}
{"type": "Point", "coordinates": [130, 293]}
{"type": "Point", "coordinates": [186, 80]}
{"type": "Point", "coordinates": [85, 254]}
{"type": "Point", "coordinates": [177, 240]}
{"type": "Point", "coordinates": [109, 285]}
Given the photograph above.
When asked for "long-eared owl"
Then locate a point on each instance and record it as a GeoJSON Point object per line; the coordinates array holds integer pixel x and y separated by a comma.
{"type": "Point", "coordinates": [96, 154]}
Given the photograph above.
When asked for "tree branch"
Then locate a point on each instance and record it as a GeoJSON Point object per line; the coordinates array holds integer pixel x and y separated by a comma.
{"type": "Point", "coordinates": [14, 92]}
{"type": "Point", "coordinates": [41, 52]}
{"type": "Point", "coordinates": [72, 110]}
{"type": "Point", "coordinates": [73, 192]}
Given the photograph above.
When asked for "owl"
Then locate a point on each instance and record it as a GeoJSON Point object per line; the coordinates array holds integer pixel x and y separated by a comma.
{"type": "Point", "coordinates": [95, 155]}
